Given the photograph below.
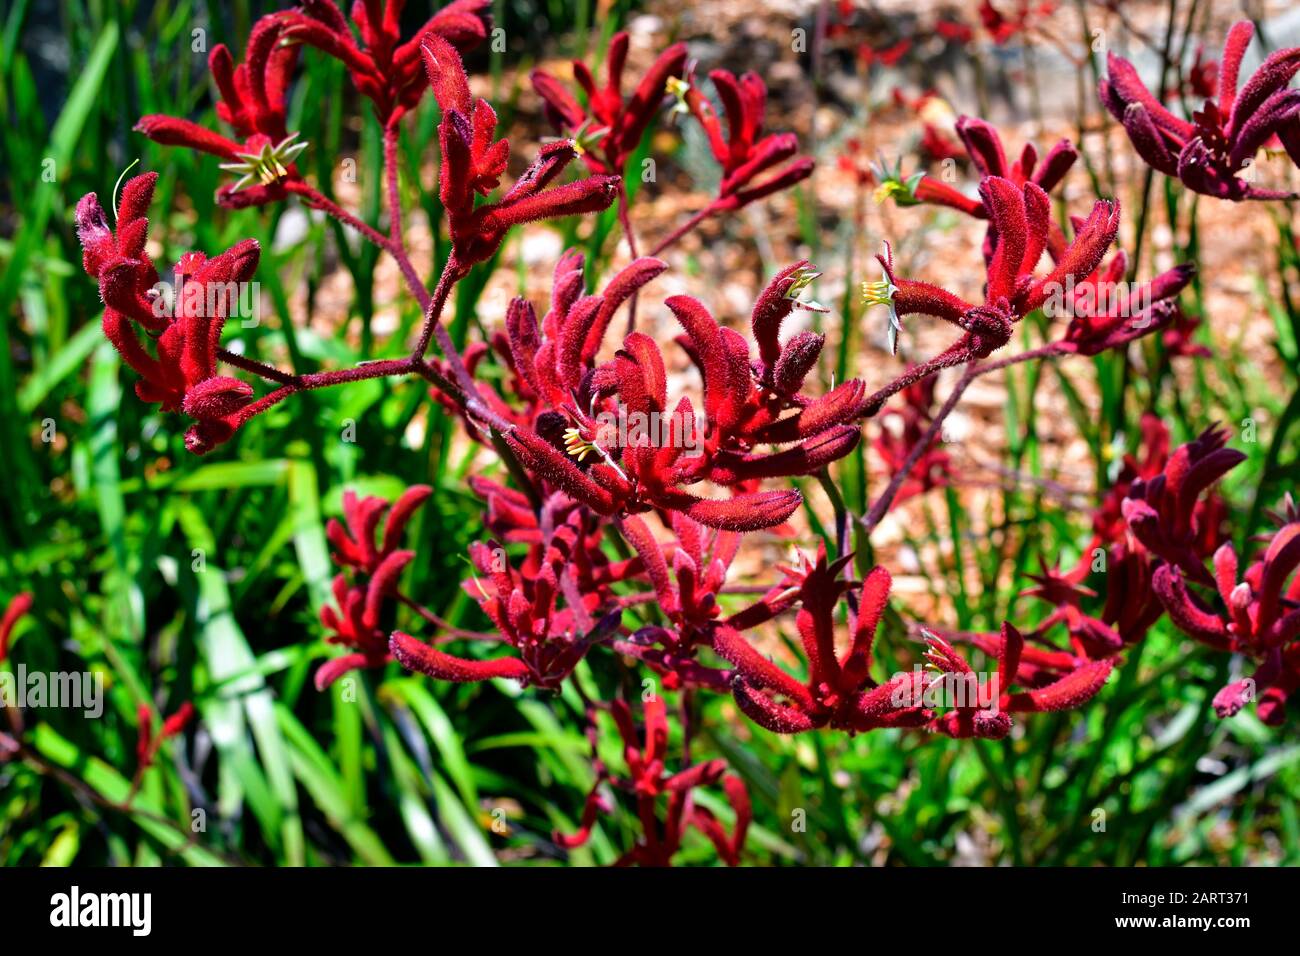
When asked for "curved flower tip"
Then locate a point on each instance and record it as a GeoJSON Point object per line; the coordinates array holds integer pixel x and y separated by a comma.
{"type": "Point", "coordinates": [19, 605]}
{"type": "Point", "coordinates": [336, 667]}
{"type": "Point", "coordinates": [1232, 698]}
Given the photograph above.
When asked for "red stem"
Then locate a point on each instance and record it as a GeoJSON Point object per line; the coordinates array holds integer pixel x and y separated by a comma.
{"type": "Point", "coordinates": [685, 227]}
{"type": "Point", "coordinates": [319, 200]}
{"type": "Point", "coordinates": [881, 505]}
{"type": "Point", "coordinates": [625, 218]}
{"type": "Point", "coordinates": [396, 238]}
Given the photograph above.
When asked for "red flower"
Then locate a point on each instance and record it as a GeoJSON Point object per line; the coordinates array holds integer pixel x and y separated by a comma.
{"type": "Point", "coordinates": [1108, 521]}
{"type": "Point", "coordinates": [551, 359]}
{"type": "Point", "coordinates": [253, 103]}
{"type": "Point", "coordinates": [548, 640]}
{"type": "Point", "coordinates": [1002, 27]}
{"type": "Point", "coordinates": [254, 93]}
{"type": "Point", "coordinates": [185, 327]}
{"type": "Point", "coordinates": [384, 69]}
{"type": "Point", "coordinates": [1162, 512]}
{"type": "Point", "coordinates": [356, 623]}
{"type": "Point", "coordinates": [993, 720]}
{"type": "Point", "coordinates": [610, 128]}
{"type": "Point", "coordinates": [1091, 637]}
{"type": "Point", "coordinates": [18, 605]}
{"type": "Point", "coordinates": [472, 164]}
{"type": "Point", "coordinates": [1208, 153]}
{"type": "Point", "coordinates": [354, 546]}
{"type": "Point", "coordinates": [1106, 312]}
{"type": "Point", "coordinates": [147, 745]}
{"type": "Point", "coordinates": [1260, 618]}
{"type": "Point", "coordinates": [744, 153]}
{"type": "Point", "coordinates": [641, 466]}
{"type": "Point", "coordinates": [1020, 222]}
{"type": "Point", "coordinates": [983, 144]}
{"type": "Point", "coordinates": [839, 691]}
{"type": "Point", "coordinates": [687, 594]}
{"type": "Point", "coordinates": [648, 780]}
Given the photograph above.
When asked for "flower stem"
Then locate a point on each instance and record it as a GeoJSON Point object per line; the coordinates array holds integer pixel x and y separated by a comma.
{"type": "Point", "coordinates": [396, 238]}
{"type": "Point", "coordinates": [684, 228]}
{"type": "Point", "coordinates": [972, 371]}
{"type": "Point", "coordinates": [318, 200]}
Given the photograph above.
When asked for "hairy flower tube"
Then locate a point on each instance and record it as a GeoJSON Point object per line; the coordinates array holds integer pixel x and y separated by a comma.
{"type": "Point", "coordinates": [984, 147]}
{"type": "Point", "coordinates": [971, 718]}
{"type": "Point", "coordinates": [384, 68]}
{"type": "Point", "coordinates": [548, 640]}
{"type": "Point", "coordinates": [744, 152]}
{"type": "Point", "coordinates": [472, 165]}
{"type": "Point", "coordinates": [687, 591]}
{"type": "Point", "coordinates": [1162, 512]}
{"type": "Point", "coordinates": [839, 690]}
{"type": "Point", "coordinates": [1020, 217]}
{"type": "Point", "coordinates": [253, 104]}
{"type": "Point", "coordinates": [376, 567]}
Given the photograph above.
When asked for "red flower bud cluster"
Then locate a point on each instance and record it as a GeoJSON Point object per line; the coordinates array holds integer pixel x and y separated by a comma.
{"type": "Point", "coordinates": [609, 129]}
{"type": "Point", "coordinates": [745, 404]}
{"type": "Point", "coordinates": [147, 744]}
{"type": "Point", "coordinates": [647, 781]}
{"type": "Point", "coordinates": [745, 153]}
{"type": "Point", "coordinates": [361, 605]}
{"type": "Point", "coordinates": [472, 165]}
{"type": "Point", "coordinates": [179, 370]}
{"type": "Point", "coordinates": [1209, 153]}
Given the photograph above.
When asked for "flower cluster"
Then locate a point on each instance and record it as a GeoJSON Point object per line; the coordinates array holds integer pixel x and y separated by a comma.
{"type": "Point", "coordinates": [609, 129]}
{"type": "Point", "coordinates": [1210, 153]}
{"type": "Point", "coordinates": [472, 165]}
{"type": "Point", "coordinates": [185, 332]}
{"type": "Point", "coordinates": [361, 606]}
{"type": "Point", "coordinates": [147, 743]}
{"type": "Point", "coordinates": [647, 780]}
{"type": "Point", "coordinates": [643, 463]}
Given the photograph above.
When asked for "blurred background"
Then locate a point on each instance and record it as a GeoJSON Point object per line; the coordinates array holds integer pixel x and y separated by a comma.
{"type": "Point", "coordinates": [181, 578]}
